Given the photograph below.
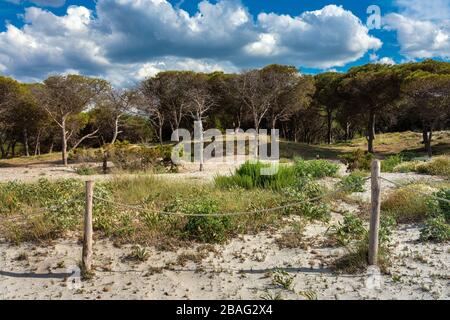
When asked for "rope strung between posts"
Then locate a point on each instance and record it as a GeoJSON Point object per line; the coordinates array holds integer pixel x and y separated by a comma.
{"type": "Point", "coordinates": [418, 191]}
{"type": "Point", "coordinates": [292, 204]}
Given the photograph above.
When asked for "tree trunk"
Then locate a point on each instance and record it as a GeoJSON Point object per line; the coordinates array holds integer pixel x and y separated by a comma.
{"type": "Point", "coordinates": [64, 142]}
{"type": "Point", "coordinates": [199, 127]}
{"type": "Point", "coordinates": [25, 142]}
{"type": "Point", "coordinates": [329, 124]}
{"type": "Point", "coordinates": [256, 150]}
{"type": "Point", "coordinates": [2, 149]}
{"type": "Point", "coordinates": [50, 150]}
{"type": "Point", "coordinates": [428, 144]}
{"type": "Point", "coordinates": [347, 131]}
{"type": "Point", "coordinates": [13, 149]}
{"type": "Point", "coordinates": [371, 133]}
{"type": "Point", "coordinates": [37, 147]}
{"type": "Point", "coordinates": [116, 130]}
{"type": "Point", "coordinates": [105, 162]}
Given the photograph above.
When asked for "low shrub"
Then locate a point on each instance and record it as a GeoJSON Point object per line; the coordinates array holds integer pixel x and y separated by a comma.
{"type": "Point", "coordinates": [350, 229]}
{"type": "Point", "coordinates": [207, 229]}
{"type": "Point", "coordinates": [85, 155]}
{"type": "Point", "coordinates": [249, 175]}
{"type": "Point", "coordinates": [85, 170]}
{"type": "Point", "coordinates": [436, 229]}
{"type": "Point", "coordinates": [357, 160]}
{"type": "Point", "coordinates": [315, 168]}
{"type": "Point", "coordinates": [437, 166]}
{"type": "Point", "coordinates": [439, 204]}
{"type": "Point", "coordinates": [407, 204]}
{"type": "Point", "coordinates": [409, 166]}
{"type": "Point", "coordinates": [314, 210]}
{"type": "Point", "coordinates": [357, 238]}
{"type": "Point", "coordinates": [354, 182]}
{"type": "Point", "coordinates": [388, 164]}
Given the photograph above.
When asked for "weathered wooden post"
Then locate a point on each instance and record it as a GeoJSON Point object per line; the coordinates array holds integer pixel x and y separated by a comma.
{"type": "Point", "coordinates": [87, 240]}
{"type": "Point", "coordinates": [375, 214]}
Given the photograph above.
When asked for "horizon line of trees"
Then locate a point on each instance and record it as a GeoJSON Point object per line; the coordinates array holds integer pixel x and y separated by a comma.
{"type": "Point", "coordinates": [68, 111]}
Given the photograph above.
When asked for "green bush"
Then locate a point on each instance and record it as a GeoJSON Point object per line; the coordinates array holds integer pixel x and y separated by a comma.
{"type": "Point", "coordinates": [312, 210]}
{"type": "Point", "coordinates": [436, 229]}
{"type": "Point", "coordinates": [354, 182]}
{"type": "Point", "coordinates": [85, 170]}
{"type": "Point", "coordinates": [350, 229]}
{"type": "Point", "coordinates": [249, 176]}
{"type": "Point", "coordinates": [438, 206]}
{"type": "Point", "coordinates": [356, 259]}
{"type": "Point", "coordinates": [388, 164]}
{"type": "Point", "coordinates": [357, 160]}
{"type": "Point", "coordinates": [315, 168]}
{"type": "Point", "coordinates": [206, 229]}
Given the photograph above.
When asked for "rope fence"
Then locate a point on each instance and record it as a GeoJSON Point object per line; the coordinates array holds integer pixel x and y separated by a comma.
{"type": "Point", "coordinates": [375, 198]}
{"type": "Point", "coordinates": [221, 214]}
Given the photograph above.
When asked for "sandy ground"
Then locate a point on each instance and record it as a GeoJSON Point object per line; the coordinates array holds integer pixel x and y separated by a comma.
{"type": "Point", "coordinates": [240, 269]}
{"type": "Point", "coordinates": [34, 172]}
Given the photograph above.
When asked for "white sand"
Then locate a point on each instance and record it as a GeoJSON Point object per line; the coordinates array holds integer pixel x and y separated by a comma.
{"type": "Point", "coordinates": [239, 270]}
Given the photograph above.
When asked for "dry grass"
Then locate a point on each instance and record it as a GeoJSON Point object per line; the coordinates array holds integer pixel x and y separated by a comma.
{"type": "Point", "coordinates": [408, 204]}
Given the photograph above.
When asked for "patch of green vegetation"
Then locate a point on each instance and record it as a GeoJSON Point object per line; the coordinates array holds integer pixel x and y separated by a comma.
{"type": "Point", "coordinates": [138, 253]}
{"type": "Point", "coordinates": [357, 160]}
{"type": "Point", "coordinates": [206, 228]}
{"type": "Point", "coordinates": [314, 210]}
{"type": "Point", "coordinates": [349, 230]}
{"type": "Point", "coordinates": [356, 258]}
{"type": "Point", "coordinates": [388, 164]}
{"type": "Point", "coordinates": [282, 279]}
{"type": "Point", "coordinates": [315, 168]}
{"type": "Point", "coordinates": [439, 204]}
{"type": "Point", "coordinates": [260, 175]}
{"type": "Point", "coordinates": [252, 175]}
{"type": "Point", "coordinates": [436, 229]}
{"type": "Point", "coordinates": [354, 182]}
{"type": "Point", "coordinates": [47, 209]}
{"type": "Point", "coordinates": [85, 170]}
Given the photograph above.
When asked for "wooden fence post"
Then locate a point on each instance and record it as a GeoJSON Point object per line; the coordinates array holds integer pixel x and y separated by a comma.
{"type": "Point", "coordinates": [87, 240]}
{"type": "Point", "coordinates": [375, 214]}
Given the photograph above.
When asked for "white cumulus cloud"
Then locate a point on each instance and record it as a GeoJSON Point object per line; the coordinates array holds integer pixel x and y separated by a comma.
{"type": "Point", "coordinates": [420, 38]}
{"type": "Point", "coordinates": [131, 39]}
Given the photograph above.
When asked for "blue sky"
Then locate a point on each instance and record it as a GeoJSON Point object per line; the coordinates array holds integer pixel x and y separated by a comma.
{"type": "Point", "coordinates": [128, 40]}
